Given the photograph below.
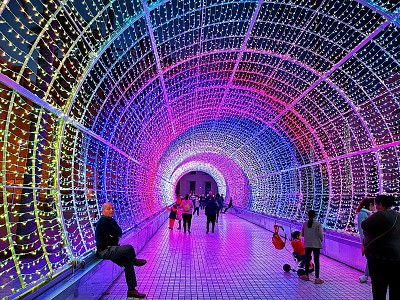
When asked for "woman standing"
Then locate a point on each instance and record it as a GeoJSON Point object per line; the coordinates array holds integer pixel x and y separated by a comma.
{"type": "Point", "coordinates": [364, 210]}
{"type": "Point", "coordinates": [312, 233]}
{"type": "Point", "coordinates": [382, 248]}
{"type": "Point", "coordinates": [187, 210]}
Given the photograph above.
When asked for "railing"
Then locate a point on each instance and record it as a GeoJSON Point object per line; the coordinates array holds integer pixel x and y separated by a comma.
{"type": "Point", "coordinates": [79, 283]}
{"type": "Point", "coordinates": [342, 247]}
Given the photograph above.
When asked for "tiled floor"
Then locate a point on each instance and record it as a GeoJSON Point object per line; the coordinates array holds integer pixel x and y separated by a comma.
{"type": "Point", "coordinates": [238, 261]}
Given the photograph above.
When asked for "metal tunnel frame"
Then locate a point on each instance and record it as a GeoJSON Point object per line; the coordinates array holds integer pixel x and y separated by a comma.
{"type": "Point", "coordinates": [289, 105]}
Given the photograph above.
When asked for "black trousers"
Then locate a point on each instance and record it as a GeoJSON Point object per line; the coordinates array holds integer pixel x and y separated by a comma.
{"type": "Point", "coordinates": [227, 208]}
{"type": "Point", "coordinates": [210, 219]}
{"type": "Point", "coordinates": [384, 273]}
{"type": "Point", "coordinates": [196, 209]}
{"type": "Point", "coordinates": [187, 219]}
{"type": "Point", "coordinates": [316, 252]}
{"type": "Point", "coordinates": [123, 256]}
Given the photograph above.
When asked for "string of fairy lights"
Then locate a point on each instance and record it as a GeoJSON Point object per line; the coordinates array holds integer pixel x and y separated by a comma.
{"type": "Point", "coordinates": [199, 166]}
{"type": "Point", "coordinates": [288, 105]}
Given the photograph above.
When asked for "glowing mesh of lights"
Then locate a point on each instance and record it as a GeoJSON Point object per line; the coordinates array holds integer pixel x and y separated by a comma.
{"type": "Point", "coordinates": [295, 104]}
{"type": "Point", "coordinates": [204, 167]}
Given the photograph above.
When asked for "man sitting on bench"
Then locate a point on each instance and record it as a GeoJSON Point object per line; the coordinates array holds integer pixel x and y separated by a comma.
{"type": "Point", "coordinates": [107, 235]}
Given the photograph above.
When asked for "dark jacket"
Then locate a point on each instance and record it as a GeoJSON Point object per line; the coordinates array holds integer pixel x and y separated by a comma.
{"type": "Point", "coordinates": [211, 208]}
{"type": "Point", "coordinates": [173, 209]}
{"type": "Point", "coordinates": [107, 233]}
{"type": "Point", "coordinates": [219, 202]}
{"type": "Point", "coordinates": [378, 242]}
{"type": "Point", "coordinates": [230, 203]}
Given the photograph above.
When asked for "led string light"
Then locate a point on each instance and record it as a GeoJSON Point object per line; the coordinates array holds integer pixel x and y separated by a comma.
{"type": "Point", "coordinates": [213, 165]}
{"type": "Point", "coordinates": [119, 99]}
{"type": "Point", "coordinates": [199, 166]}
{"type": "Point", "coordinates": [243, 162]}
{"type": "Point", "coordinates": [334, 141]}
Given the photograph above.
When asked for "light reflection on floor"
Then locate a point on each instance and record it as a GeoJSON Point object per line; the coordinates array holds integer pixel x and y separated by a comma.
{"type": "Point", "coordinates": [238, 261]}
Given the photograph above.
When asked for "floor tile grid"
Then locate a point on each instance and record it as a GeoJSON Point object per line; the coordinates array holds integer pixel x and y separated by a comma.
{"type": "Point", "coordinates": [238, 261]}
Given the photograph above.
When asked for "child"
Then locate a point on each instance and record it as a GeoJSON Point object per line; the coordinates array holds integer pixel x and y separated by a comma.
{"type": "Point", "coordinates": [172, 216]}
{"type": "Point", "coordinates": [298, 246]}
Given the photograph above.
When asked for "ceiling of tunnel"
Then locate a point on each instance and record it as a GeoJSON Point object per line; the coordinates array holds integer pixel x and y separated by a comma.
{"type": "Point", "coordinates": [220, 145]}
{"type": "Point", "coordinates": [290, 105]}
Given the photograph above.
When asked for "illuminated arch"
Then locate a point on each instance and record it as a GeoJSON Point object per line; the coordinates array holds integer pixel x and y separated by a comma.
{"type": "Point", "coordinates": [290, 105]}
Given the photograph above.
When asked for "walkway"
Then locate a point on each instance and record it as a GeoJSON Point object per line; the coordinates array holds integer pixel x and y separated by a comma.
{"type": "Point", "coordinates": [238, 261]}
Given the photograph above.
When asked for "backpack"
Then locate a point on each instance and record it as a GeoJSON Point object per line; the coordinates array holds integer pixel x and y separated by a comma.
{"type": "Point", "coordinates": [277, 239]}
{"type": "Point", "coordinates": [186, 206]}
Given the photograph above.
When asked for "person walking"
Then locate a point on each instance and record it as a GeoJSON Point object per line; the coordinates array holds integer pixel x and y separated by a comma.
{"type": "Point", "coordinates": [313, 236]}
{"type": "Point", "coordinates": [211, 212]}
{"type": "Point", "coordinates": [219, 204]}
{"type": "Point", "coordinates": [382, 248]}
{"type": "Point", "coordinates": [187, 210]}
{"type": "Point", "coordinates": [365, 209]}
{"type": "Point", "coordinates": [208, 197]}
{"type": "Point", "coordinates": [229, 205]}
{"type": "Point", "coordinates": [202, 201]}
{"type": "Point", "coordinates": [196, 206]}
{"type": "Point", "coordinates": [107, 235]}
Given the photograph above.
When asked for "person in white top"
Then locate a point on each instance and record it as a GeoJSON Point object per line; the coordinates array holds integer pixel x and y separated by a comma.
{"type": "Point", "coordinates": [313, 236]}
{"type": "Point", "coordinates": [187, 210]}
{"type": "Point", "coordinates": [196, 206]}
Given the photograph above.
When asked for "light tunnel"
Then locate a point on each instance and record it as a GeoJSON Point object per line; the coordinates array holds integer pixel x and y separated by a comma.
{"type": "Point", "coordinates": [289, 105]}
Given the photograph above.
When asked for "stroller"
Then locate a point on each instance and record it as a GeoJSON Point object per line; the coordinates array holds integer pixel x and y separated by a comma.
{"type": "Point", "coordinates": [279, 244]}
{"type": "Point", "coordinates": [299, 266]}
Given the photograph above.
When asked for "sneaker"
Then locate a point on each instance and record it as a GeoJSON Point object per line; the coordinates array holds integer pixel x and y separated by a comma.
{"type": "Point", "coordinates": [304, 277]}
{"type": "Point", "coordinates": [318, 281]}
{"type": "Point", "coordinates": [139, 262]}
{"type": "Point", "coordinates": [135, 294]}
{"type": "Point", "coordinates": [363, 279]}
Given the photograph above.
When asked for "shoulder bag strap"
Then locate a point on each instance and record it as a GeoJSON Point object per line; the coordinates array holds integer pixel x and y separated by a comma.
{"type": "Point", "coordinates": [386, 232]}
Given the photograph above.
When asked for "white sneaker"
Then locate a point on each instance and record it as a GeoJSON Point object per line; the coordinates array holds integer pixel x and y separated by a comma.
{"type": "Point", "coordinates": [363, 279]}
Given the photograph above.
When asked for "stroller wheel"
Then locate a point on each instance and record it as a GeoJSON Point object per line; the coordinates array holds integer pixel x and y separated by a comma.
{"type": "Point", "coordinates": [300, 272]}
{"type": "Point", "coordinates": [287, 267]}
